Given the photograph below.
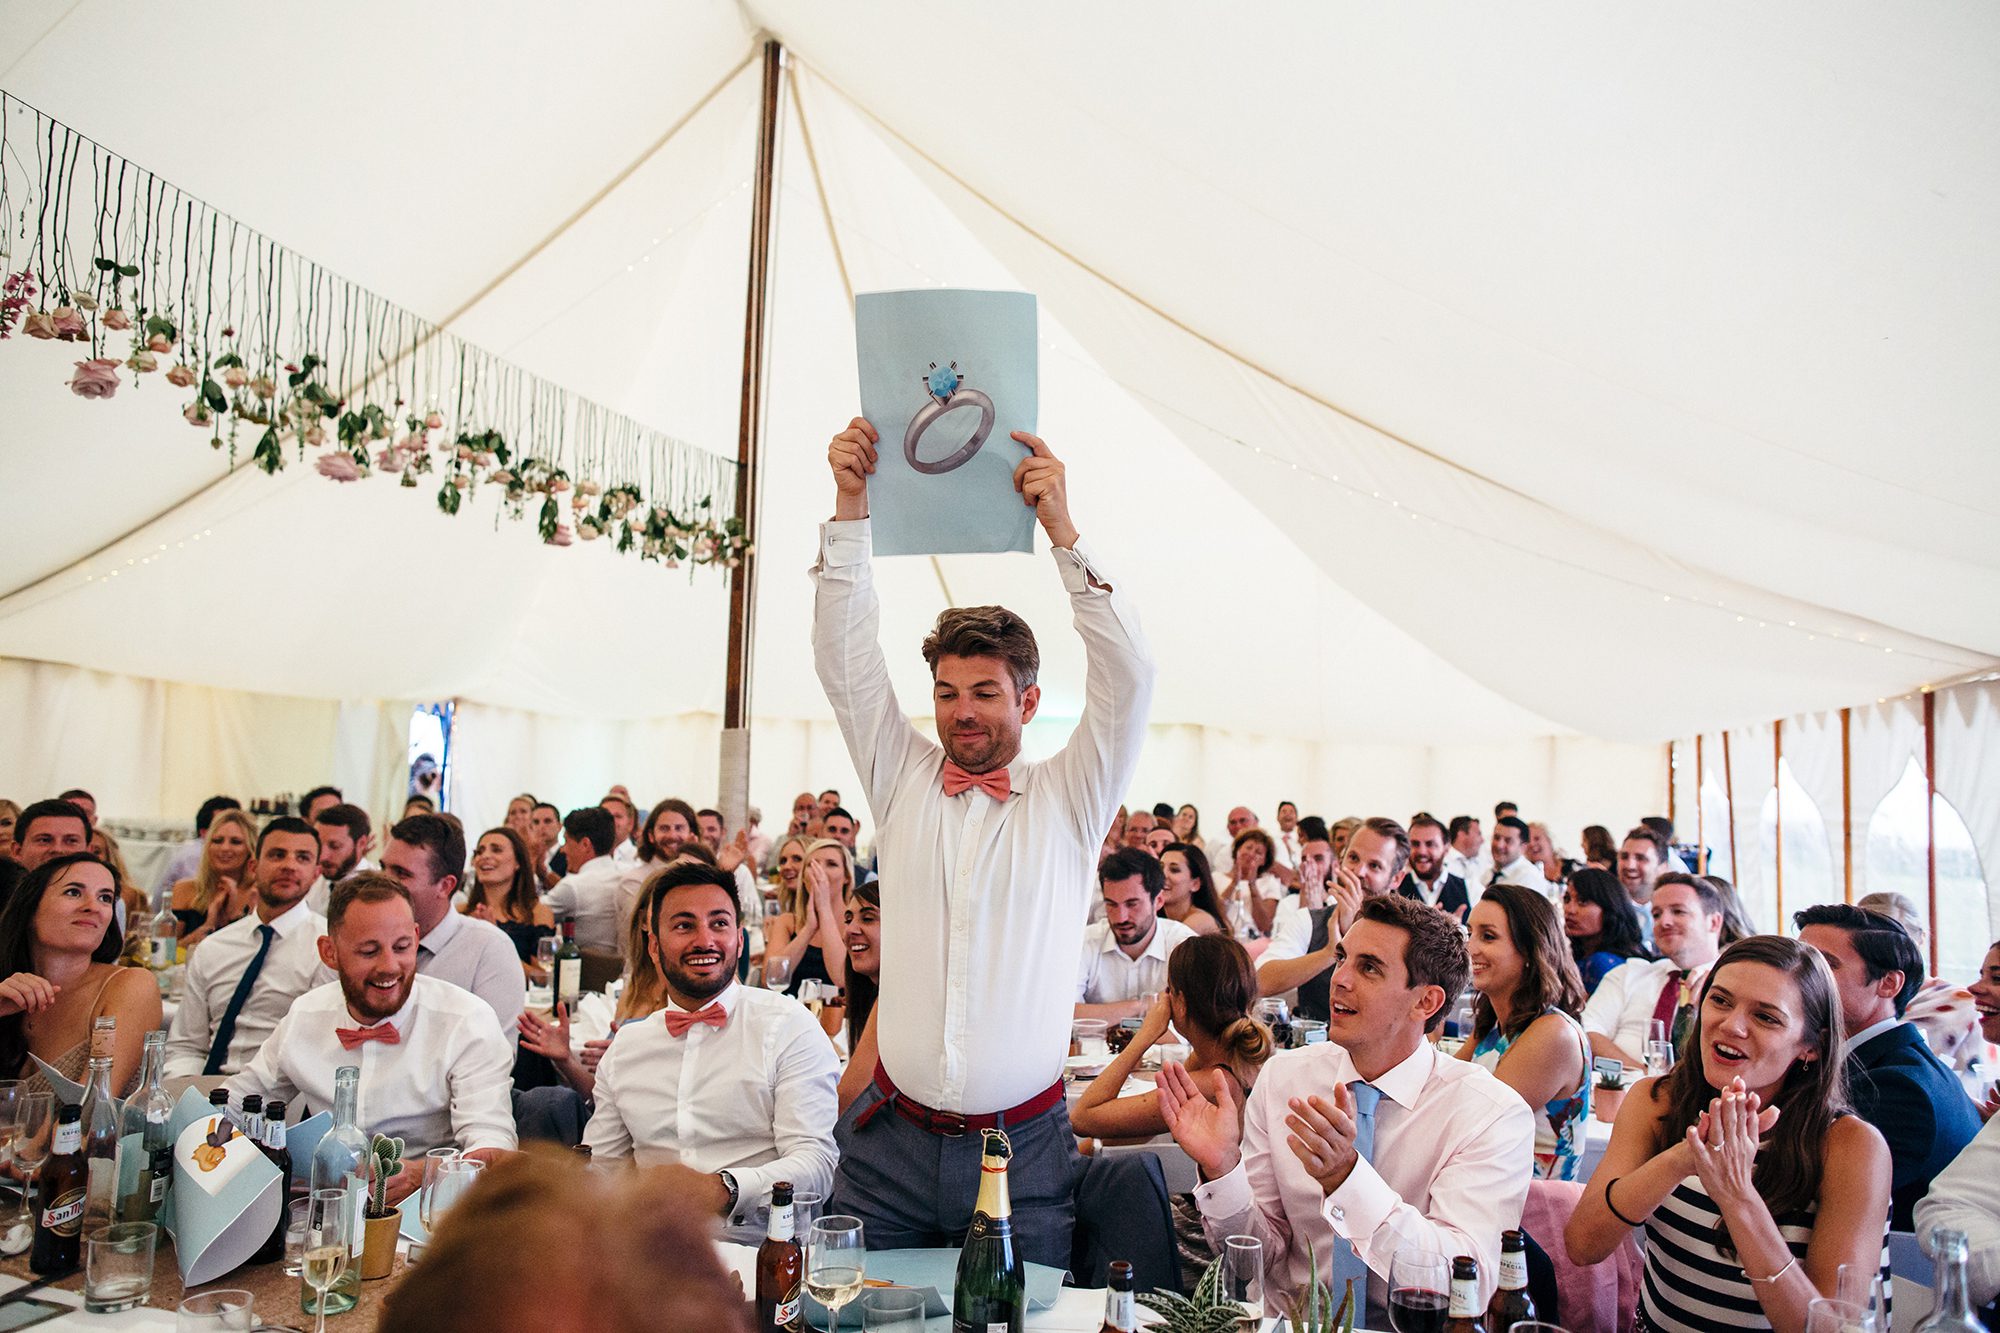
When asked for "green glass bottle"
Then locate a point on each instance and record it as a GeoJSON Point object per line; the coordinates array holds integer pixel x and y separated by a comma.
{"type": "Point", "coordinates": [990, 1294]}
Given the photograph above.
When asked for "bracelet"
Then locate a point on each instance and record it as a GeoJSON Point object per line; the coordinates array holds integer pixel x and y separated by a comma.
{"type": "Point", "coordinates": [1614, 1207]}
{"type": "Point", "coordinates": [1766, 1281]}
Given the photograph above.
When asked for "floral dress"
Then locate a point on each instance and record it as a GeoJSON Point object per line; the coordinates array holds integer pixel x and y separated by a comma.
{"type": "Point", "coordinates": [1559, 1125]}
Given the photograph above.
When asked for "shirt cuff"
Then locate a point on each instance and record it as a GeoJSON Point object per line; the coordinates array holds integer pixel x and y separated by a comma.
{"type": "Point", "coordinates": [845, 542]}
{"type": "Point", "coordinates": [1226, 1195]}
{"type": "Point", "coordinates": [1361, 1205]}
{"type": "Point", "coordinates": [1079, 568]}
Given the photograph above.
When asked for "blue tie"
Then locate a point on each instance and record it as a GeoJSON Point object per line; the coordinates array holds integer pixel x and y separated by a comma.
{"type": "Point", "coordinates": [225, 1031]}
{"type": "Point", "coordinates": [1346, 1263]}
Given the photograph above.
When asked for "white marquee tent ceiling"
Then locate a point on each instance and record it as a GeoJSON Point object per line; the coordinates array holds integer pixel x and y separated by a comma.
{"type": "Point", "coordinates": [1433, 375]}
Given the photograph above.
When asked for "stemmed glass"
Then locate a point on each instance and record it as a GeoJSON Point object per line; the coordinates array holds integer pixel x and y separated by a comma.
{"type": "Point", "coordinates": [10, 1098]}
{"type": "Point", "coordinates": [328, 1239]}
{"type": "Point", "coordinates": [33, 1113]}
{"type": "Point", "coordinates": [777, 971]}
{"type": "Point", "coordinates": [427, 1208]}
{"type": "Point", "coordinates": [836, 1262]}
{"type": "Point", "coordinates": [1419, 1287]}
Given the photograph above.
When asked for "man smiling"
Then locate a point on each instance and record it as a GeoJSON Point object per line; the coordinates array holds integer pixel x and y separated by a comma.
{"type": "Point", "coordinates": [1687, 929]}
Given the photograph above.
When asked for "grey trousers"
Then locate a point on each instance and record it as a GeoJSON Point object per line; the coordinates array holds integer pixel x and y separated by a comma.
{"type": "Point", "coordinates": [914, 1189]}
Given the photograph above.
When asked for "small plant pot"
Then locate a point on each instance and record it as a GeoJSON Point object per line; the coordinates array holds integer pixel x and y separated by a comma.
{"type": "Point", "coordinates": [1604, 1103]}
{"type": "Point", "coordinates": [378, 1245]}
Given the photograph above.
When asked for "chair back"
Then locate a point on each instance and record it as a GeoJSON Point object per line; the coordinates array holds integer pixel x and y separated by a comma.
{"type": "Point", "coordinates": [1122, 1212]}
{"type": "Point", "coordinates": [601, 967]}
{"type": "Point", "coordinates": [1600, 1297]}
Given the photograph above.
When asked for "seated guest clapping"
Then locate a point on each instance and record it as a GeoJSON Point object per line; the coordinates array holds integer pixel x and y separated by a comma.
{"type": "Point", "coordinates": [1371, 1140]}
{"type": "Point", "coordinates": [435, 1069]}
{"type": "Point", "coordinates": [244, 978]}
{"type": "Point", "coordinates": [1524, 1023]}
{"type": "Point", "coordinates": [1125, 955]}
{"type": "Point", "coordinates": [1751, 1178]}
{"type": "Point", "coordinates": [735, 1083]}
{"type": "Point", "coordinates": [1603, 932]}
{"type": "Point", "coordinates": [863, 937]}
{"type": "Point", "coordinates": [591, 893]}
{"type": "Point", "coordinates": [220, 891]}
{"type": "Point", "coordinates": [59, 973]}
{"type": "Point", "coordinates": [807, 929]}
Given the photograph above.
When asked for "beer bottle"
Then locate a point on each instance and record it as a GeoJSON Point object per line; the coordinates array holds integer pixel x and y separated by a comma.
{"type": "Point", "coordinates": [1120, 1313]}
{"type": "Point", "coordinates": [567, 984]}
{"type": "Point", "coordinates": [272, 1145]}
{"type": "Point", "coordinates": [1511, 1303]}
{"type": "Point", "coordinates": [100, 1128]}
{"type": "Point", "coordinates": [990, 1294]}
{"type": "Point", "coordinates": [781, 1267]}
{"type": "Point", "coordinates": [65, 1180]}
{"type": "Point", "coordinates": [1464, 1314]}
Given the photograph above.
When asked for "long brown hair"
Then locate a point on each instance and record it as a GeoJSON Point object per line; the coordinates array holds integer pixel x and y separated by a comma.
{"type": "Point", "coordinates": [862, 992]}
{"type": "Point", "coordinates": [1811, 1096]}
{"type": "Point", "coordinates": [1217, 984]}
{"type": "Point", "coordinates": [1549, 978]}
{"type": "Point", "coordinates": [17, 942]}
{"type": "Point", "coordinates": [1203, 894]}
{"type": "Point", "coordinates": [523, 892]}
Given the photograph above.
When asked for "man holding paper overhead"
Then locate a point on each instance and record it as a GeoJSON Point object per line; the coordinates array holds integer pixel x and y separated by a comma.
{"type": "Point", "coordinates": [987, 867]}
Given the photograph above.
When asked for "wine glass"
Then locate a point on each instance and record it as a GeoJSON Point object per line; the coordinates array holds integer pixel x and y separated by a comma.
{"type": "Point", "coordinates": [1418, 1290]}
{"type": "Point", "coordinates": [836, 1260]}
{"type": "Point", "coordinates": [1833, 1316]}
{"type": "Point", "coordinates": [10, 1098]}
{"type": "Point", "coordinates": [1243, 1276]}
{"type": "Point", "coordinates": [777, 971]}
{"type": "Point", "coordinates": [33, 1113]}
{"type": "Point", "coordinates": [1861, 1284]}
{"type": "Point", "coordinates": [449, 1179]}
{"type": "Point", "coordinates": [328, 1239]}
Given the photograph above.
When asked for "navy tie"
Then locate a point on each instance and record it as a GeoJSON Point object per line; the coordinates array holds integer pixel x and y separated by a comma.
{"type": "Point", "coordinates": [225, 1031]}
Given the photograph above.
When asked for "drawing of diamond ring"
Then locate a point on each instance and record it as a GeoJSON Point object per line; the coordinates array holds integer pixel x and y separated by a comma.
{"type": "Point", "coordinates": [946, 391]}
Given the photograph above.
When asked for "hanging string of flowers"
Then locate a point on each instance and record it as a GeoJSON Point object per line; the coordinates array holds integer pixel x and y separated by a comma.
{"type": "Point", "coordinates": [291, 363]}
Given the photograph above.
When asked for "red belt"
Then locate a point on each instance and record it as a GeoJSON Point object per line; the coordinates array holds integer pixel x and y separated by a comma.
{"type": "Point", "coordinates": [952, 1124]}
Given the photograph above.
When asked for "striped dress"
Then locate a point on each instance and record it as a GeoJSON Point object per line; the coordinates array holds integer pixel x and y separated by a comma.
{"type": "Point", "coordinates": [1691, 1286]}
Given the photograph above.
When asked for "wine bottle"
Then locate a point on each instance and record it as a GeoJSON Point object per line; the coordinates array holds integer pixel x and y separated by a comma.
{"type": "Point", "coordinates": [1511, 1303]}
{"type": "Point", "coordinates": [990, 1293]}
{"type": "Point", "coordinates": [1465, 1314]}
{"type": "Point", "coordinates": [1951, 1311]}
{"type": "Point", "coordinates": [339, 1163]}
{"type": "Point", "coordinates": [65, 1179]}
{"type": "Point", "coordinates": [149, 1113]}
{"type": "Point", "coordinates": [1120, 1312]}
{"type": "Point", "coordinates": [100, 1128]}
{"type": "Point", "coordinates": [781, 1268]}
{"type": "Point", "coordinates": [568, 980]}
{"type": "Point", "coordinates": [165, 938]}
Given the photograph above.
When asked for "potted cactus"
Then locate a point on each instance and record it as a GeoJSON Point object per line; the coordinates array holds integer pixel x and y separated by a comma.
{"type": "Point", "coordinates": [1612, 1080]}
{"type": "Point", "coordinates": [379, 1221]}
{"type": "Point", "coordinates": [1308, 1310]}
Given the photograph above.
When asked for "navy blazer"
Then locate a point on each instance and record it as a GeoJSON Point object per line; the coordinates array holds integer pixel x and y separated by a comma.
{"type": "Point", "coordinates": [1452, 898]}
{"type": "Point", "coordinates": [1899, 1086]}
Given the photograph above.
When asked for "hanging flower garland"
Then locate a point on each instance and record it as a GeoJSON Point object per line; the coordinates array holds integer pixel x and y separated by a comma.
{"type": "Point", "coordinates": [297, 364]}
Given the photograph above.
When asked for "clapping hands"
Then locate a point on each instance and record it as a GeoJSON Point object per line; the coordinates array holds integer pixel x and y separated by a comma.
{"type": "Point", "coordinates": [1724, 1141]}
{"type": "Point", "coordinates": [1208, 1128]}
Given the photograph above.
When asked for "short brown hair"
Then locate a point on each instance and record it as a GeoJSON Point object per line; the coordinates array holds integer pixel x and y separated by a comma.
{"type": "Point", "coordinates": [368, 886]}
{"type": "Point", "coordinates": [986, 631]}
{"type": "Point", "coordinates": [1647, 833]}
{"type": "Point", "coordinates": [1434, 954]}
{"type": "Point", "coordinates": [1384, 827]}
{"type": "Point", "coordinates": [441, 836]}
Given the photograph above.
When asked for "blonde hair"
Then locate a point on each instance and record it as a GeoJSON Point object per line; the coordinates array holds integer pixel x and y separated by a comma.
{"type": "Point", "coordinates": [206, 879]}
{"type": "Point", "coordinates": [846, 865]}
{"type": "Point", "coordinates": [788, 898]}
{"type": "Point", "coordinates": [1900, 909]}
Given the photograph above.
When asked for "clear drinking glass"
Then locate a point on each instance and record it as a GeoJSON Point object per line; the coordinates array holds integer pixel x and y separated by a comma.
{"type": "Point", "coordinates": [1419, 1289]}
{"type": "Point", "coordinates": [427, 1185]}
{"type": "Point", "coordinates": [329, 1237]}
{"type": "Point", "coordinates": [446, 1181]}
{"type": "Point", "coordinates": [806, 1207]}
{"type": "Point", "coordinates": [295, 1236]}
{"type": "Point", "coordinates": [118, 1266]}
{"type": "Point", "coordinates": [1836, 1316]}
{"type": "Point", "coordinates": [545, 955]}
{"type": "Point", "coordinates": [836, 1263]}
{"type": "Point", "coordinates": [10, 1099]}
{"type": "Point", "coordinates": [1086, 1037]}
{"type": "Point", "coordinates": [1243, 1276]}
{"type": "Point", "coordinates": [1659, 1058]}
{"type": "Point", "coordinates": [215, 1311]}
{"type": "Point", "coordinates": [34, 1116]}
{"type": "Point", "coordinates": [1861, 1284]}
{"type": "Point", "coordinates": [893, 1310]}
{"type": "Point", "coordinates": [777, 971]}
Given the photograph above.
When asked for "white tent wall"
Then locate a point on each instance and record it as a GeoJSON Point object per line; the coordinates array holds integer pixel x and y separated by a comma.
{"type": "Point", "coordinates": [1967, 723]}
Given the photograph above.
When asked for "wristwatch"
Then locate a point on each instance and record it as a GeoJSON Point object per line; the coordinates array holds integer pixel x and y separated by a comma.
{"type": "Point", "coordinates": [728, 1183]}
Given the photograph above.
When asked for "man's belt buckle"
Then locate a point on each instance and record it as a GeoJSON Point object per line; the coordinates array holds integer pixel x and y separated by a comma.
{"type": "Point", "coordinates": [947, 1124]}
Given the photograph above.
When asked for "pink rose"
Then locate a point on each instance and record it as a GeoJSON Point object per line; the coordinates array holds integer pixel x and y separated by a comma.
{"type": "Point", "coordinates": [482, 457]}
{"type": "Point", "coordinates": [465, 453]}
{"type": "Point", "coordinates": [117, 320]}
{"type": "Point", "coordinates": [563, 537]}
{"type": "Point", "coordinates": [160, 342]}
{"type": "Point", "coordinates": [144, 362]}
{"type": "Point", "coordinates": [68, 322]}
{"type": "Point", "coordinates": [196, 413]}
{"type": "Point", "coordinates": [316, 436]}
{"type": "Point", "coordinates": [338, 466]}
{"type": "Point", "coordinates": [391, 460]}
{"type": "Point", "coordinates": [262, 386]}
{"type": "Point", "coordinates": [96, 378]}
{"type": "Point", "coordinates": [235, 376]}
{"type": "Point", "coordinates": [40, 324]}
{"type": "Point", "coordinates": [435, 421]}
{"type": "Point", "coordinates": [181, 376]}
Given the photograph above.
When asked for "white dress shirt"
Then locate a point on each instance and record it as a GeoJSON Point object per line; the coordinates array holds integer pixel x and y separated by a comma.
{"type": "Point", "coordinates": [1287, 847]}
{"type": "Point", "coordinates": [447, 1082]}
{"type": "Point", "coordinates": [1965, 1196]}
{"type": "Point", "coordinates": [1525, 873]}
{"type": "Point", "coordinates": [756, 1097]}
{"type": "Point", "coordinates": [322, 888]}
{"type": "Point", "coordinates": [477, 956]}
{"type": "Point", "coordinates": [593, 898]}
{"type": "Point", "coordinates": [1474, 870]}
{"type": "Point", "coordinates": [1454, 1152]}
{"type": "Point", "coordinates": [215, 966]}
{"type": "Point", "coordinates": [1109, 974]}
{"type": "Point", "coordinates": [983, 902]}
{"type": "Point", "coordinates": [1291, 931]}
{"type": "Point", "coordinates": [625, 852]}
{"type": "Point", "coordinates": [1622, 1006]}
{"type": "Point", "coordinates": [1859, 1039]}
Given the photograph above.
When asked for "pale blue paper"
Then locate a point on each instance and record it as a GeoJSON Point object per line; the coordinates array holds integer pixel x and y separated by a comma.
{"type": "Point", "coordinates": [991, 335]}
{"type": "Point", "coordinates": [932, 1271]}
{"type": "Point", "coordinates": [217, 1234]}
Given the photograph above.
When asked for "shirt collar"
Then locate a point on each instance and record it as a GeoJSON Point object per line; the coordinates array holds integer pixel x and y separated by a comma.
{"type": "Point", "coordinates": [1404, 1083]}
{"type": "Point", "coordinates": [289, 920]}
{"type": "Point", "coordinates": [1868, 1034]}
{"type": "Point", "coordinates": [1156, 947]}
{"type": "Point", "coordinates": [442, 933]}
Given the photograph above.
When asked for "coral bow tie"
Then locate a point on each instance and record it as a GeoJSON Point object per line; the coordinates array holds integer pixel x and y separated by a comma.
{"type": "Point", "coordinates": [994, 783]}
{"type": "Point", "coordinates": [353, 1037]}
{"type": "Point", "coordinates": [680, 1020]}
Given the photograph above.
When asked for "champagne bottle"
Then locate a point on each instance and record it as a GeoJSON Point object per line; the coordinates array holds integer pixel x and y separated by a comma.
{"type": "Point", "coordinates": [65, 1177]}
{"type": "Point", "coordinates": [990, 1294]}
{"type": "Point", "coordinates": [339, 1163]}
{"type": "Point", "coordinates": [1465, 1313]}
{"type": "Point", "coordinates": [568, 980]}
{"type": "Point", "coordinates": [100, 1128]}
{"type": "Point", "coordinates": [1120, 1312]}
{"type": "Point", "coordinates": [781, 1267]}
{"type": "Point", "coordinates": [148, 1116]}
{"type": "Point", "coordinates": [1511, 1303]}
{"type": "Point", "coordinates": [1951, 1312]}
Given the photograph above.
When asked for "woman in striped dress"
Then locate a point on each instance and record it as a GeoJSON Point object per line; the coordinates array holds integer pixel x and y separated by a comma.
{"type": "Point", "coordinates": [1722, 1162]}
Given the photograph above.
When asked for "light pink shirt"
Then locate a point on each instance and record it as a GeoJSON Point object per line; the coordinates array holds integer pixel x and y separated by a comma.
{"type": "Point", "coordinates": [1454, 1152]}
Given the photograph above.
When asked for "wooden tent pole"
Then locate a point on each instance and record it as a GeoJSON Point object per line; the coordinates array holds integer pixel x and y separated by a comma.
{"type": "Point", "coordinates": [1729, 794]}
{"type": "Point", "coordinates": [735, 767]}
{"type": "Point", "coordinates": [1847, 803]}
{"type": "Point", "coordinates": [1778, 817]}
{"type": "Point", "coordinates": [1930, 818]}
{"type": "Point", "coordinates": [1700, 810]}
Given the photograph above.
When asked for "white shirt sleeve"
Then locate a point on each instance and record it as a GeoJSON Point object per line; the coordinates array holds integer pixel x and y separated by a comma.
{"type": "Point", "coordinates": [1291, 931]}
{"type": "Point", "coordinates": [482, 1082]}
{"type": "Point", "coordinates": [807, 1092]}
{"type": "Point", "coordinates": [607, 1135]}
{"type": "Point", "coordinates": [847, 650]}
{"type": "Point", "coordinates": [1965, 1196]}
{"type": "Point", "coordinates": [265, 1075]}
{"type": "Point", "coordinates": [1606, 1005]}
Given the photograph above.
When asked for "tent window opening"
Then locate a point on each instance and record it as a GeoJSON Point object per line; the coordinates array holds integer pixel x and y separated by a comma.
{"type": "Point", "coordinates": [1895, 864]}
{"type": "Point", "coordinates": [1809, 877]}
{"type": "Point", "coordinates": [430, 752]}
{"type": "Point", "coordinates": [1715, 827]}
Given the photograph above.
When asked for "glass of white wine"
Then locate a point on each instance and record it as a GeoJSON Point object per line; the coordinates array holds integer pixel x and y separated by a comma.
{"type": "Point", "coordinates": [34, 1116]}
{"type": "Point", "coordinates": [327, 1244]}
{"type": "Point", "coordinates": [836, 1263]}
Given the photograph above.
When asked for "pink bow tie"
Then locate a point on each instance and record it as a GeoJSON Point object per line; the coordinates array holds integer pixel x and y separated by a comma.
{"type": "Point", "coordinates": [353, 1037]}
{"type": "Point", "coordinates": [994, 783]}
{"type": "Point", "coordinates": [680, 1020]}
